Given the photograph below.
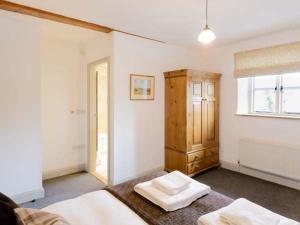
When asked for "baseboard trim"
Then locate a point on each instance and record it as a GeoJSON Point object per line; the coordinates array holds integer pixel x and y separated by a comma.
{"type": "Point", "coordinates": [261, 175]}
{"type": "Point", "coordinates": [29, 196]}
{"type": "Point", "coordinates": [272, 178]}
{"type": "Point", "coordinates": [64, 171]}
{"type": "Point", "coordinates": [229, 166]}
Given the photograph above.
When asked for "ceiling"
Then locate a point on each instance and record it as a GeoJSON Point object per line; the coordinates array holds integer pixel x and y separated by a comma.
{"type": "Point", "coordinates": [54, 30]}
{"type": "Point", "coordinates": [180, 21]}
{"type": "Point", "coordinates": [68, 33]}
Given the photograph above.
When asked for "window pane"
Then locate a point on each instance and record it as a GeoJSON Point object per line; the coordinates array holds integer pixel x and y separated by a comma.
{"type": "Point", "coordinates": [291, 80]}
{"type": "Point", "coordinates": [265, 82]}
{"type": "Point", "coordinates": [243, 95]}
{"type": "Point", "coordinates": [291, 101]}
{"type": "Point", "coordinates": [264, 101]}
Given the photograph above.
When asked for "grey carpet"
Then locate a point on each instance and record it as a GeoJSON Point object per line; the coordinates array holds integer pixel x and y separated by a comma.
{"type": "Point", "coordinates": [66, 187]}
{"type": "Point", "coordinates": [280, 199]}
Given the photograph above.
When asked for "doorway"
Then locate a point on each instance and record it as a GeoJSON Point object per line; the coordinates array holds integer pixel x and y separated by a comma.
{"type": "Point", "coordinates": [98, 162]}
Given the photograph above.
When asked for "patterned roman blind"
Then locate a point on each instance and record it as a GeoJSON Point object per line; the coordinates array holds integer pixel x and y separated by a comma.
{"type": "Point", "coordinates": [268, 61]}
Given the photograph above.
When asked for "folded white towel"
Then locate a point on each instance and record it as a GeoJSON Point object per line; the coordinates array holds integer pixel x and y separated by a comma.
{"type": "Point", "coordinates": [172, 202]}
{"type": "Point", "coordinates": [244, 212]}
{"type": "Point", "coordinates": [212, 218]}
{"type": "Point", "coordinates": [172, 183]}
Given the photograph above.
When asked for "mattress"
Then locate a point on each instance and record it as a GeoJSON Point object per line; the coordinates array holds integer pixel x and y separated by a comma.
{"type": "Point", "coordinates": [95, 208]}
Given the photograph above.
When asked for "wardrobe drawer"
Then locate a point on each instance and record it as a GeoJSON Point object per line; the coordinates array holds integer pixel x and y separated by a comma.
{"type": "Point", "coordinates": [212, 151]}
{"type": "Point", "coordinates": [196, 156]}
{"type": "Point", "coordinates": [212, 160]}
{"type": "Point", "coordinates": [212, 156]}
{"type": "Point", "coordinates": [196, 166]}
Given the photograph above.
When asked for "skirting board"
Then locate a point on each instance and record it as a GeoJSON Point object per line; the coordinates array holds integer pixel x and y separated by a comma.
{"type": "Point", "coordinates": [29, 196]}
{"type": "Point", "coordinates": [261, 175]}
{"type": "Point", "coordinates": [64, 171]}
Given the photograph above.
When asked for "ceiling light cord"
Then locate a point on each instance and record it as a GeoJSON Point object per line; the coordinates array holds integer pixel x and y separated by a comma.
{"type": "Point", "coordinates": [206, 15]}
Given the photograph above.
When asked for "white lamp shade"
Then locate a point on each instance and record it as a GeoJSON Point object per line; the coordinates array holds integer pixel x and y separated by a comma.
{"type": "Point", "coordinates": [206, 36]}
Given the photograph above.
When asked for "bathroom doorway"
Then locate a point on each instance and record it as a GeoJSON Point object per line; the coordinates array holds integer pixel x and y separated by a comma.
{"type": "Point", "coordinates": [98, 119]}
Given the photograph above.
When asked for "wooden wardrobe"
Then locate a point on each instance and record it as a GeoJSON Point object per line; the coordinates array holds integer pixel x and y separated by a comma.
{"type": "Point", "coordinates": [191, 120]}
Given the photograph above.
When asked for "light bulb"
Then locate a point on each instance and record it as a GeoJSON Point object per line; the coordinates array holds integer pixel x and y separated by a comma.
{"type": "Point", "coordinates": [206, 35]}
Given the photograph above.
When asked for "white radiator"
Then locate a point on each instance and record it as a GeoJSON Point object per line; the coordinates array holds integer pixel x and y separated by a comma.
{"type": "Point", "coordinates": [275, 158]}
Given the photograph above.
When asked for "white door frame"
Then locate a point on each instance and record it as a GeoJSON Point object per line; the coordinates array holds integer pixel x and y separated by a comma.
{"type": "Point", "coordinates": [92, 120]}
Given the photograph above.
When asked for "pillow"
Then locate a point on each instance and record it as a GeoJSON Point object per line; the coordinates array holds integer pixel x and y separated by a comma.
{"type": "Point", "coordinates": [37, 217]}
{"type": "Point", "coordinates": [7, 214]}
{"type": "Point", "coordinates": [8, 201]}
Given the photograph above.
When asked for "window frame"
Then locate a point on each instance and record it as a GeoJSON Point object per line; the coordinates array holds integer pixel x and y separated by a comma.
{"type": "Point", "coordinates": [279, 92]}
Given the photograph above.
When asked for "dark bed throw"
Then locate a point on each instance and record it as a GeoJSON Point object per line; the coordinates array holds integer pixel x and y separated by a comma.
{"type": "Point", "coordinates": [154, 215]}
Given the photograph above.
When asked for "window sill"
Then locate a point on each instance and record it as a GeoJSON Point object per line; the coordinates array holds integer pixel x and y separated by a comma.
{"type": "Point", "coordinates": [269, 116]}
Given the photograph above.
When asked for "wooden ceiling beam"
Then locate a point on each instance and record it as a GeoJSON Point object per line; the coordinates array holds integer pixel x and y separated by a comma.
{"type": "Point", "coordinates": [30, 11]}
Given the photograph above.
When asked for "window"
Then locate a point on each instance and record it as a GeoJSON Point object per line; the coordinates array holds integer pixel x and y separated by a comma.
{"type": "Point", "coordinates": [271, 95]}
{"type": "Point", "coordinates": [264, 94]}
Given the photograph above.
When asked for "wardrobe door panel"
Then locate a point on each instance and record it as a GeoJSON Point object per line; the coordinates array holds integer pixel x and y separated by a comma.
{"type": "Point", "coordinates": [195, 112]}
{"type": "Point", "coordinates": [211, 116]}
{"type": "Point", "coordinates": [210, 108]}
{"type": "Point", "coordinates": [197, 123]}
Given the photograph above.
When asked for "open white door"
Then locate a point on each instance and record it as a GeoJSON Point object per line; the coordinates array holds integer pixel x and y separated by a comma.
{"type": "Point", "coordinates": [98, 162]}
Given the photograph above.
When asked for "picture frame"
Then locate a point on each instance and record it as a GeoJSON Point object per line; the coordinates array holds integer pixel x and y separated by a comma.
{"type": "Point", "coordinates": [142, 87]}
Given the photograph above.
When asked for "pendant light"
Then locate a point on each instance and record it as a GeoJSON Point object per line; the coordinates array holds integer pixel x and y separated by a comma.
{"type": "Point", "coordinates": [206, 36]}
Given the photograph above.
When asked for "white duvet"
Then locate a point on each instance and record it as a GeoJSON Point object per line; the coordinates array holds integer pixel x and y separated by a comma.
{"type": "Point", "coordinates": [95, 208]}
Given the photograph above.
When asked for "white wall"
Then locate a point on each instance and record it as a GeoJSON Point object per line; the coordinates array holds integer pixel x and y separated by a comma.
{"type": "Point", "coordinates": [20, 110]}
{"type": "Point", "coordinates": [136, 127]}
{"type": "Point", "coordinates": [139, 125]}
{"type": "Point", "coordinates": [56, 73]}
{"type": "Point", "coordinates": [97, 49]}
{"type": "Point", "coordinates": [64, 101]}
{"type": "Point", "coordinates": [233, 127]}
{"type": "Point", "coordinates": [43, 110]}
{"type": "Point", "coordinates": [63, 111]}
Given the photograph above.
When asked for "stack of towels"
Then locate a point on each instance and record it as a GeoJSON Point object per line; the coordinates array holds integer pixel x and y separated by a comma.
{"type": "Point", "coordinates": [172, 191]}
{"type": "Point", "coordinates": [244, 212]}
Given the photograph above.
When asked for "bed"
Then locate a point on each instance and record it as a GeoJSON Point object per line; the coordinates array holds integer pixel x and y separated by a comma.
{"type": "Point", "coordinates": [95, 208]}
{"type": "Point", "coordinates": [121, 205]}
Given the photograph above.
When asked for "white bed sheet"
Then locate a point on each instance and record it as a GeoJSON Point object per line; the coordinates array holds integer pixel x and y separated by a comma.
{"type": "Point", "coordinates": [95, 208]}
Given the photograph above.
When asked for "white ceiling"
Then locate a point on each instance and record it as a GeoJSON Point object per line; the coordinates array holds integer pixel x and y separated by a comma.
{"type": "Point", "coordinates": [179, 21]}
{"type": "Point", "coordinates": [68, 33]}
{"type": "Point", "coordinates": [53, 30]}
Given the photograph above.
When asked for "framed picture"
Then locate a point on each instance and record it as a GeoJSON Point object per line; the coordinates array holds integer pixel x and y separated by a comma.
{"type": "Point", "coordinates": [141, 87]}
